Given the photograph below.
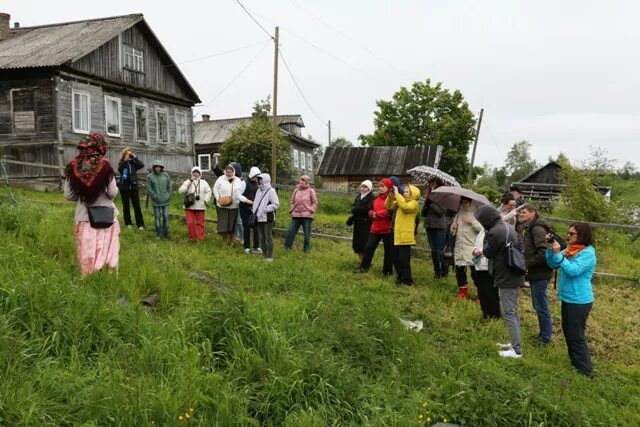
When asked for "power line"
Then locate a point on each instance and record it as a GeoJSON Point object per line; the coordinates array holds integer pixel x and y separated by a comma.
{"type": "Point", "coordinates": [215, 54]}
{"type": "Point", "coordinates": [299, 89]}
{"type": "Point", "coordinates": [254, 19]}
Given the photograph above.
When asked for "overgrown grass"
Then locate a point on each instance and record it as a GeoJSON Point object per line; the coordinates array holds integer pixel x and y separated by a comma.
{"type": "Point", "coordinates": [298, 342]}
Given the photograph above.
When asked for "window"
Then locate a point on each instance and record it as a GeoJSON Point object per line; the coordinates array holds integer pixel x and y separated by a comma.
{"type": "Point", "coordinates": [309, 163]}
{"type": "Point", "coordinates": [140, 112]}
{"type": "Point", "coordinates": [181, 128]}
{"type": "Point", "coordinates": [204, 161]}
{"type": "Point", "coordinates": [295, 158]}
{"type": "Point", "coordinates": [162, 123]}
{"type": "Point", "coordinates": [23, 109]}
{"type": "Point", "coordinates": [112, 108]}
{"type": "Point", "coordinates": [302, 163]}
{"type": "Point", "coordinates": [81, 112]}
{"type": "Point", "coordinates": [133, 58]}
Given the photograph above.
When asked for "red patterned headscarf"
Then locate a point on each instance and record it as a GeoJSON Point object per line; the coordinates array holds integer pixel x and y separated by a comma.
{"type": "Point", "coordinates": [89, 173]}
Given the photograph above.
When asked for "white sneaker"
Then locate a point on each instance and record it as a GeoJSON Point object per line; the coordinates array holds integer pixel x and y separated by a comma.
{"type": "Point", "coordinates": [247, 251]}
{"type": "Point", "coordinates": [129, 226]}
{"type": "Point", "coordinates": [506, 346]}
{"type": "Point", "coordinates": [269, 259]}
{"type": "Point", "coordinates": [510, 353]}
{"type": "Point", "coordinates": [257, 251]}
{"type": "Point", "coordinates": [141, 228]}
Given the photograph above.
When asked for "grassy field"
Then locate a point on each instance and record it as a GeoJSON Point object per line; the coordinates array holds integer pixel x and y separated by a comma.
{"type": "Point", "coordinates": [301, 341]}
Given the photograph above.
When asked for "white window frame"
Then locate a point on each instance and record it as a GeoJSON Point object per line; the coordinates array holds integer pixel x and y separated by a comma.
{"type": "Point", "coordinates": [183, 115]}
{"type": "Point", "coordinates": [166, 113]}
{"type": "Point", "coordinates": [309, 163]}
{"type": "Point", "coordinates": [205, 156]}
{"type": "Point", "coordinates": [303, 164]}
{"type": "Point", "coordinates": [132, 58]}
{"type": "Point", "coordinates": [118, 101]}
{"type": "Point", "coordinates": [76, 128]}
{"type": "Point", "coordinates": [295, 158]}
{"type": "Point", "coordinates": [135, 121]}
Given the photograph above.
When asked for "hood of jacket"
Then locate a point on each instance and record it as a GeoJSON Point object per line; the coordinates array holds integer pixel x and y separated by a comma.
{"type": "Point", "coordinates": [488, 216]}
{"type": "Point", "coordinates": [238, 168]}
{"type": "Point", "coordinates": [253, 172]}
{"type": "Point", "coordinates": [157, 163]}
{"type": "Point", "coordinates": [266, 181]}
{"type": "Point", "coordinates": [397, 183]}
{"type": "Point", "coordinates": [196, 168]}
{"type": "Point", "coordinates": [415, 192]}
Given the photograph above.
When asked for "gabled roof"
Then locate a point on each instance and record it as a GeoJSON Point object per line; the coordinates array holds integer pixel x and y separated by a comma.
{"type": "Point", "coordinates": [217, 131]}
{"type": "Point", "coordinates": [532, 174]}
{"type": "Point", "coordinates": [371, 161]}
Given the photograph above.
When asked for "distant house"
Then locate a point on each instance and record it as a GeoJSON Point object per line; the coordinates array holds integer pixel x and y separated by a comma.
{"type": "Point", "coordinates": [60, 82]}
{"type": "Point", "coordinates": [211, 134]}
{"type": "Point", "coordinates": [547, 182]}
{"type": "Point", "coordinates": [344, 168]}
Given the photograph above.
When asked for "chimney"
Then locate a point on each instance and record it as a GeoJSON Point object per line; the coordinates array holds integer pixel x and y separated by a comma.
{"type": "Point", "coordinates": [16, 25]}
{"type": "Point", "coordinates": [205, 117]}
{"type": "Point", "coordinates": [4, 26]}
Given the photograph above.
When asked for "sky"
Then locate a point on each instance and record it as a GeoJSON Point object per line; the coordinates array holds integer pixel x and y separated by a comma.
{"type": "Point", "coordinates": [562, 75]}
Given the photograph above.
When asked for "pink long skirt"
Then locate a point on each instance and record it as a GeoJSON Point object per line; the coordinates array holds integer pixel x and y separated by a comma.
{"type": "Point", "coordinates": [96, 248]}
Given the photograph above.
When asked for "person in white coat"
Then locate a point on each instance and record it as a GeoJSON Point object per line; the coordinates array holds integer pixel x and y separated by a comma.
{"type": "Point", "coordinates": [197, 196]}
{"type": "Point", "coordinates": [465, 228]}
{"type": "Point", "coordinates": [227, 191]}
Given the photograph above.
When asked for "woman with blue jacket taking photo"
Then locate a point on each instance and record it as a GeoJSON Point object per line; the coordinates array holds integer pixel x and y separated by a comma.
{"type": "Point", "coordinates": [575, 292]}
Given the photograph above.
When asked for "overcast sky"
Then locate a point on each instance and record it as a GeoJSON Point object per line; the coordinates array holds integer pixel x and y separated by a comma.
{"type": "Point", "coordinates": [563, 75]}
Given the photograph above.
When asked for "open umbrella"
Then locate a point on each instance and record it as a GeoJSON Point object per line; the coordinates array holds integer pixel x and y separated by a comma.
{"type": "Point", "coordinates": [428, 174]}
{"type": "Point", "coordinates": [449, 197]}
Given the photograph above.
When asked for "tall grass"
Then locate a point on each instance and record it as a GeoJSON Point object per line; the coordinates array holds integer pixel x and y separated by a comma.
{"type": "Point", "coordinates": [300, 342]}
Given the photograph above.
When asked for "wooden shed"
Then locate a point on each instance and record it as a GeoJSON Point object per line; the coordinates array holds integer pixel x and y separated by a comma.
{"type": "Point", "coordinates": [344, 168]}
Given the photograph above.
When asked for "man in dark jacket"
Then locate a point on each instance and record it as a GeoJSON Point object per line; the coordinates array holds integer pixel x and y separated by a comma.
{"type": "Point", "coordinates": [508, 281]}
{"type": "Point", "coordinates": [538, 272]}
{"type": "Point", "coordinates": [436, 224]}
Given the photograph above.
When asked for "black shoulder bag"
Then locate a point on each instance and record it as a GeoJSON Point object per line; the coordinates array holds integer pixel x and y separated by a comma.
{"type": "Point", "coordinates": [100, 216]}
{"type": "Point", "coordinates": [513, 257]}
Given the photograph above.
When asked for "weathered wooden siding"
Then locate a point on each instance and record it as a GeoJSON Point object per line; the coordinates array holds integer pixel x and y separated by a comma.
{"type": "Point", "coordinates": [158, 76]}
{"type": "Point", "coordinates": [351, 183]}
{"type": "Point", "coordinates": [177, 157]}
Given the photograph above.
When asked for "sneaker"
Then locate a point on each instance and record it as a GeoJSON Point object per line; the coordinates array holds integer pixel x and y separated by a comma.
{"type": "Point", "coordinates": [506, 346]}
{"type": "Point", "coordinates": [359, 270]}
{"type": "Point", "coordinates": [247, 251]}
{"type": "Point", "coordinates": [257, 251]}
{"type": "Point", "coordinates": [269, 259]}
{"type": "Point", "coordinates": [526, 284]}
{"type": "Point", "coordinates": [141, 228]}
{"type": "Point", "coordinates": [511, 353]}
{"type": "Point", "coordinates": [129, 226]}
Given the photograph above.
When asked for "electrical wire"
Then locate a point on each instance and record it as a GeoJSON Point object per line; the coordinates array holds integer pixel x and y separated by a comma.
{"type": "Point", "coordinates": [188, 61]}
{"type": "Point", "coordinates": [255, 20]}
{"type": "Point", "coordinates": [284, 61]}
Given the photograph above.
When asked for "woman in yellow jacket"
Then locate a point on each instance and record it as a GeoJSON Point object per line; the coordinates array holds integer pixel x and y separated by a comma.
{"type": "Point", "coordinates": [404, 227]}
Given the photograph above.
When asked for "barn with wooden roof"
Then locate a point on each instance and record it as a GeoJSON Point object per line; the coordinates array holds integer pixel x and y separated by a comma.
{"type": "Point", "coordinates": [60, 82]}
{"type": "Point", "coordinates": [344, 168]}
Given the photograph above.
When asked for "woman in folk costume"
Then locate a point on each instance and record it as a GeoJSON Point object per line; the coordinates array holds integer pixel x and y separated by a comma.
{"type": "Point", "coordinates": [90, 181]}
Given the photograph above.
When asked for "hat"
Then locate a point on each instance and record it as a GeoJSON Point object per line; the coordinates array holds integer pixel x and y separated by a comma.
{"type": "Point", "coordinates": [397, 183]}
{"type": "Point", "coordinates": [196, 168]}
{"type": "Point", "coordinates": [367, 183]}
{"type": "Point", "coordinates": [157, 163]}
{"type": "Point", "coordinates": [386, 182]}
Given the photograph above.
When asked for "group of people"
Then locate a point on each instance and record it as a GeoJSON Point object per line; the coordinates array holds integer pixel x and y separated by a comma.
{"type": "Point", "coordinates": [247, 207]}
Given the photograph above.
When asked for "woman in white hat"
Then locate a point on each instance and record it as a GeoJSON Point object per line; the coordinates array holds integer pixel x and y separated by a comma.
{"type": "Point", "coordinates": [197, 195]}
{"type": "Point", "coordinates": [360, 218]}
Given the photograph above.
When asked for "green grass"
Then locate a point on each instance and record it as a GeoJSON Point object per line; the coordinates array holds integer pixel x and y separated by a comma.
{"type": "Point", "coordinates": [298, 342]}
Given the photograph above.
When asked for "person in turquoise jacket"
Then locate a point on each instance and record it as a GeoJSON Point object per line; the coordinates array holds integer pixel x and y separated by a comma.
{"type": "Point", "coordinates": [159, 191]}
{"type": "Point", "coordinates": [576, 264]}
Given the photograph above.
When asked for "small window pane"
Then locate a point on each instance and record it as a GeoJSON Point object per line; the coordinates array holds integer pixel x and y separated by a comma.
{"type": "Point", "coordinates": [204, 161]}
{"type": "Point", "coordinates": [141, 123]}
{"type": "Point", "coordinates": [181, 128]}
{"type": "Point", "coordinates": [309, 163]}
{"type": "Point", "coordinates": [295, 159]}
{"type": "Point", "coordinates": [302, 162]}
{"type": "Point", "coordinates": [112, 109]}
{"type": "Point", "coordinates": [163, 133]}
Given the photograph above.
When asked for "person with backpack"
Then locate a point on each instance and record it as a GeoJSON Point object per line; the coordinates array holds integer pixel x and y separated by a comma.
{"type": "Point", "coordinates": [159, 191]}
{"type": "Point", "coordinates": [538, 272]}
{"type": "Point", "coordinates": [128, 168]}
{"type": "Point", "coordinates": [302, 207]}
{"type": "Point", "coordinates": [247, 198]}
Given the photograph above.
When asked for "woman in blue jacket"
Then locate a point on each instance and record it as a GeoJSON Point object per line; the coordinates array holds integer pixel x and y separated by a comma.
{"type": "Point", "coordinates": [576, 264]}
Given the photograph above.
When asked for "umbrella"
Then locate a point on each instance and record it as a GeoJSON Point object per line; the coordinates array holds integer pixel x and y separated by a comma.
{"type": "Point", "coordinates": [449, 197]}
{"type": "Point", "coordinates": [428, 173]}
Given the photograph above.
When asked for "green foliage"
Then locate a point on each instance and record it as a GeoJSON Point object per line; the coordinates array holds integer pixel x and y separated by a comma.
{"type": "Point", "coordinates": [251, 144]}
{"type": "Point", "coordinates": [519, 163]}
{"type": "Point", "coordinates": [427, 114]}
{"type": "Point", "coordinates": [341, 142]}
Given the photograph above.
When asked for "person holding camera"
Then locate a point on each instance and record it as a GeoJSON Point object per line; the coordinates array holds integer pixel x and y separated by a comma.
{"type": "Point", "coordinates": [197, 195]}
{"type": "Point", "coordinates": [128, 168]}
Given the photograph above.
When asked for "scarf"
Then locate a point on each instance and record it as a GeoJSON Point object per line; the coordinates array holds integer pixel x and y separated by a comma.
{"type": "Point", "coordinates": [573, 250]}
{"type": "Point", "coordinates": [89, 173]}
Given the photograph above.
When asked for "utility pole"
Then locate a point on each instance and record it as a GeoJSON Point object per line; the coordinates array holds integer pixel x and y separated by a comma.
{"type": "Point", "coordinates": [275, 108]}
{"type": "Point", "coordinates": [329, 126]}
{"type": "Point", "coordinates": [475, 144]}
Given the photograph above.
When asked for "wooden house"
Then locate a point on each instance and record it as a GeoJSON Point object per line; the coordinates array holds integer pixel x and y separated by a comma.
{"type": "Point", "coordinates": [209, 135]}
{"type": "Point", "coordinates": [60, 82]}
{"type": "Point", "coordinates": [344, 168]}
{"type": "Point", "coordinates": [547, 182]}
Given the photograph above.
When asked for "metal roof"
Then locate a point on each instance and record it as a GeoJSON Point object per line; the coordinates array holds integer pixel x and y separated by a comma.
{"type": "Point", "coordinates": [217, 131]}
{"type": "Point", "coordinates": [370, 161]}
{"type": "Point", "coordinates": [55, 44]}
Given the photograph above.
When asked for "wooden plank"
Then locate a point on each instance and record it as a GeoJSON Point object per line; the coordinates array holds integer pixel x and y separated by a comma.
{"type": "Point", "coordinates": [39, 165]}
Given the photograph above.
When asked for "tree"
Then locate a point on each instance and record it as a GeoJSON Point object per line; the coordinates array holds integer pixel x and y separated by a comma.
{"type": "Point", "coordinates": [599, 163]}
{"type": "Point", "coordinates": [250, 145]}
{"type": "Point", "coordinates": [427, 114]}
{"type": "Point", "coordinates": [519, 163]}
{"type": "Point", "coordinates": [341, 142]}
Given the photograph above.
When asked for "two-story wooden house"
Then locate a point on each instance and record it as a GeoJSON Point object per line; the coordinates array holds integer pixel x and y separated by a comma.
{"type": "Point", "coordinates": [60, 82]}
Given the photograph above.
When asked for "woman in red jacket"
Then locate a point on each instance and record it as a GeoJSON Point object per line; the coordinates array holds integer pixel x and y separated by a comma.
{"type": "Point", "coordinates": [380, 230]}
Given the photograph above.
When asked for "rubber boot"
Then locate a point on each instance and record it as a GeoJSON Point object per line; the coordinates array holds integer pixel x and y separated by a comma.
{"type": "Point", "coordinates": [462, 292]}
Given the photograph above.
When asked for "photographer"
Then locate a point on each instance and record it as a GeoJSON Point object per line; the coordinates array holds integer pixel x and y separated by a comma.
{"type": "Point", "coordinates": [128, 168]}
{"type": "Point", "coordinates": [195, 206]}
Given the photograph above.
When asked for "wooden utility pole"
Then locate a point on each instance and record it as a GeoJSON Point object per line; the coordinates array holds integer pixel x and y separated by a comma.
{"type": "Point", "coordinates": [274, 142]}
{"type": "Point", "coordinates": [329, 126]}
{"type": "Point", "coordinates": [475, 144]}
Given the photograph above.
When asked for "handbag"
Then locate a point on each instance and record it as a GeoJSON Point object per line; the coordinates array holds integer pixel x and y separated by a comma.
{"type": "Point", "coordinates": [100, 216]}
{"type": "Point", "coordinates": [189, 199]}
{"type": "Point", "coordinates": [253, 220]}
{"type": "Point", "coordinates": [225, 200]}
{"type": "Point", "coordinates": [514, 258]}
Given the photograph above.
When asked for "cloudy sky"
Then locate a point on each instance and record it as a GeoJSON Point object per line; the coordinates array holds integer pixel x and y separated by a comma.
{"type": "Point", "coordinates": [563, 75]}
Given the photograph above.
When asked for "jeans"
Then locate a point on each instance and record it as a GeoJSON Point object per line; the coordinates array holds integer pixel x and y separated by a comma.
{"type": "Point", "coordinates": [437, 241]}
{"type": "Point", "coordinates": [293, 230]}
{"type": "Point", "coordinates": [509, 305]}
{"type": "Point", "coordinates": [265, 233]}
{"type": "Point", "coordinates": [540, 301]}
{"type": "Point", "coordinates": [574, 323]}
{"type": "Point", "coordinates": [161, 214]}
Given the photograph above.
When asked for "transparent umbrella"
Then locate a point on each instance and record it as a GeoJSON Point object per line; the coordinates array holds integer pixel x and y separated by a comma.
{"type": "Point", "coordinates": [429, 174]}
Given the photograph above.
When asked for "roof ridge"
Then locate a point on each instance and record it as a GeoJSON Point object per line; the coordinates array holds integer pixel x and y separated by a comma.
{"type": "Point", "coordinates": [140, 15]}
{"type": "Point", "coordinates": [245, 117]}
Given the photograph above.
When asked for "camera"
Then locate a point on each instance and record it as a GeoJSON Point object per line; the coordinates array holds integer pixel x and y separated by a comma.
{"type": "Point", "coordinates": [197, 197]}
{"type": "Point", "coordinates": [550, 238]}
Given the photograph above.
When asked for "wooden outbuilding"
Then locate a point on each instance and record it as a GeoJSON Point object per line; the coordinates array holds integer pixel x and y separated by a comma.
{"type": "Point", "coordinates": [60, 82]}
{"type": "Point", "coordinates": [344, 168]}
